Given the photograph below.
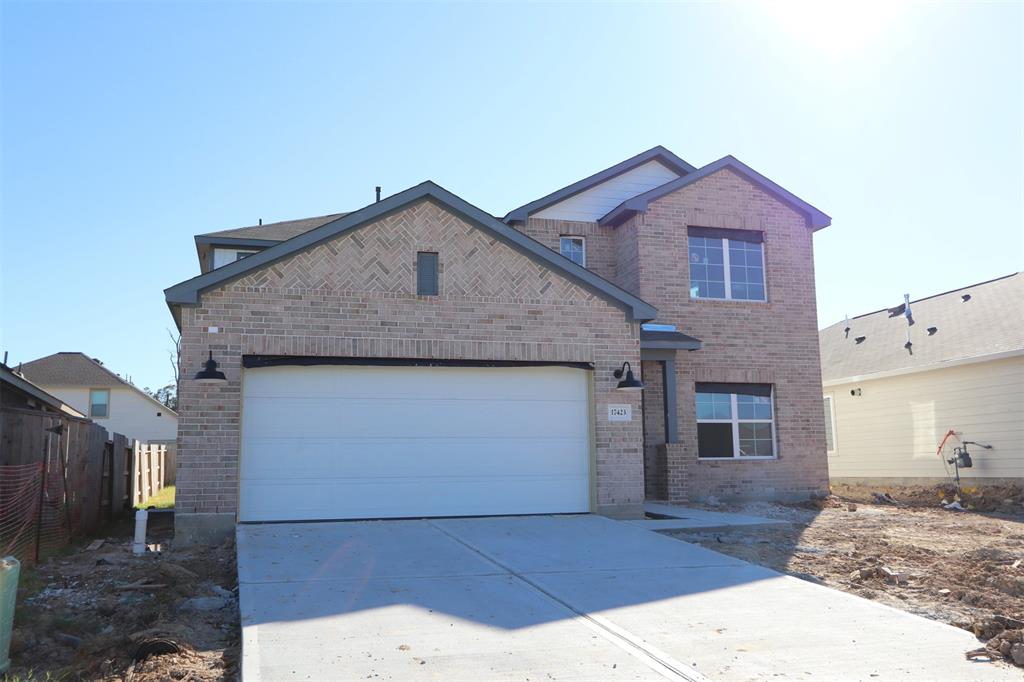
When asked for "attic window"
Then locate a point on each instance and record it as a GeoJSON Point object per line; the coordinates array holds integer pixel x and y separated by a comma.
{"type": "Point", "coordinates": [426, 274]}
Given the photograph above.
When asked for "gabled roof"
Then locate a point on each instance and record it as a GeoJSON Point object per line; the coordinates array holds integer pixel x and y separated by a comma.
{"type": "Point", "coordinates": [188, 292]}
{"type": "Point", "coordinates": [990, 323]}
{"type": "Point", "coordinates": [659, 153]}
{"type": "Point", "coordinates": [638, 204]}
{"type": "Point", "coordinates": [70, 369]}
{"type": "Point", "coordinates": [78, 369]}
{"type": "Point", "coordinates": [20, 383]}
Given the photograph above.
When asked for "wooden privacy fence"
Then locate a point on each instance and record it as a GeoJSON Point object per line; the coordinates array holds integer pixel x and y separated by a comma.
{"type": "Point", "coordinates": [150, 471]}
{"type": "Point", "coordinates": [61, 477]}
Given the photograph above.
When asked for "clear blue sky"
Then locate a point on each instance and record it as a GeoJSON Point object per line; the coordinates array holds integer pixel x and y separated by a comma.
{"type": "Point", "coordinates": [128, 128]}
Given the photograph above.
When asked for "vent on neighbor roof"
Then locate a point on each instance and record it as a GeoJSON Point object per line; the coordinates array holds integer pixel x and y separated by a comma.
{"type": "Point", "coordinates": [965, 298]}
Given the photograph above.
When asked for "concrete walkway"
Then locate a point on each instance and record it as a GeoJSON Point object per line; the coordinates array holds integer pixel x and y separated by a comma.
{"type": "Point", "coordinates": [678, 517]}
{"type": "Point", "coordinates": [568, 597]}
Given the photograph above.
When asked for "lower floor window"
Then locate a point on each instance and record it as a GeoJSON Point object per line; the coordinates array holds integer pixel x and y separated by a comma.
{"type": "Point", "coordinates": [735, 420]}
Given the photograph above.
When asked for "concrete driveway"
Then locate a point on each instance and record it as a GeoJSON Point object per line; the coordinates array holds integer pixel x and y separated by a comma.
{"type": "Point", "coordinates": [566, 598]}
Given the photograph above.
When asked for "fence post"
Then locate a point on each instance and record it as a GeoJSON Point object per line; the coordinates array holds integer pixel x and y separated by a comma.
{"type": "Point", "coordinates": [42, 495]}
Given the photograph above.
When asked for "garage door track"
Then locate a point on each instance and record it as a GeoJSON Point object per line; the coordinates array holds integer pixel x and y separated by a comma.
{"type": "Point", "coordinates": [557, 597]}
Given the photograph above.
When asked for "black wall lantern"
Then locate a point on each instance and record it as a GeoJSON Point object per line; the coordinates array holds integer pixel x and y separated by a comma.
{"type": "Point", "coordinates": [211, 375]}
{"type": "Point", "coordinates": [629, 383]}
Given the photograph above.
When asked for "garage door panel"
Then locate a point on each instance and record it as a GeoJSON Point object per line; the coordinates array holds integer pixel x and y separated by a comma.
{"type": "Point", "coordinates": [422, 418]}
{"type": "Point", "coordinates": [333, 442]}
{"type": "Point", "coordinates": [390, 458]}
{"type": "Point", "coordinates": [372, 383]}
{"type": "Point", "coordinates": [315, 499]}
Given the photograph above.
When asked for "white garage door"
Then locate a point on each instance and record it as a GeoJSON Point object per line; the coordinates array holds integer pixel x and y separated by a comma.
{"type": "Point", "coordinates": [349, 442]}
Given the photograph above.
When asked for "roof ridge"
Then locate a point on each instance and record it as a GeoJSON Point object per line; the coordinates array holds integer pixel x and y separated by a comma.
{"type": "Point", "coordinates": [925, 298]}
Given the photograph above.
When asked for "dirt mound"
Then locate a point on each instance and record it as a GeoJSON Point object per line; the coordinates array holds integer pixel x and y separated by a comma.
{"type": "Point", "coordinates": [992, 498]}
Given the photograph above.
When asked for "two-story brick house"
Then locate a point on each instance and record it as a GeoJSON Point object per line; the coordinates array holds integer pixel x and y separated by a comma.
{"type": "Point", "coordinates": [420, 357]}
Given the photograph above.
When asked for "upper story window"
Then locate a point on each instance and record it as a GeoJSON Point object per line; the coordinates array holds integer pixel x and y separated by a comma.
{"type": "Point", "coordinates": [726, 264]}
{"type": "Point", "coordinates": [99, 403]}
{"type": "Point", "coordinates": [575, 249]}
{"type": "Point", "coordinates": [239, 255]}
{"type": "Point", "coordinates": [735, 420]}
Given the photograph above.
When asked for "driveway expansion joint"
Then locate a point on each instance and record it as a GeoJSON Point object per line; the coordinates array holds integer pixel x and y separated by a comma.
{"type": "Point", "coordinates": [656, 660]}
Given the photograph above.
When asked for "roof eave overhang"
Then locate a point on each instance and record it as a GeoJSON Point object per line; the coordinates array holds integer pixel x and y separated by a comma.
{"type": "Point", "coordinates": [659, 154]}
{"type": "Point", "coordinates": [668, 341]}
{"type": "Point", "coordinates": [189, 291]}
{"type": "Point", "coordinates": [815, 218]}
{"type": "Point", "coordinates": [205, 240]}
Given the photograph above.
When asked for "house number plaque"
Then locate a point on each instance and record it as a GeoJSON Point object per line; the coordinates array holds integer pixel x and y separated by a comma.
{"type": "Point", "coordinates": [620, 413]}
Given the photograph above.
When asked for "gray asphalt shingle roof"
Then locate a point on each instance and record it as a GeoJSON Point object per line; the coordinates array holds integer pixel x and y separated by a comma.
{"type": "Point", "coordinates": [70, 369]}
{"type": "Point", "coordinates": [991, 321]}
{"type": "Point", "coordinates": [279, 231]}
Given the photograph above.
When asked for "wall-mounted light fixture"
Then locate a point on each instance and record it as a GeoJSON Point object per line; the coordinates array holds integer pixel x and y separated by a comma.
{"type": "Point", "coordinates": [210, 374]}
{"type": "Point", "coordinates": [629, 382]}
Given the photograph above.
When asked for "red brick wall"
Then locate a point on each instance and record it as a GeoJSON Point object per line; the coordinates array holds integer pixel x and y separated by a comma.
{"type": "Point", "coordinates": [355, 296]}
{"type": "Point", "coordinates": [774, 342]}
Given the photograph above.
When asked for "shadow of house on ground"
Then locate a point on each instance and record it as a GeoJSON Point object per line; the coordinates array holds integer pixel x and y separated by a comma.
{"type": "Point", "coordinates": [517, 597]}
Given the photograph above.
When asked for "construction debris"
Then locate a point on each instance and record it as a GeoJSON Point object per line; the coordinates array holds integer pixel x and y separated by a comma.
{"type": "Point", "coordinates": [105, 614]}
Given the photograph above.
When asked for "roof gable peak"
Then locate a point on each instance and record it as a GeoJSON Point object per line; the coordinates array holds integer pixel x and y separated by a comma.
{"type": "Point", "coordinates": [657, 153]}
{"type": "Point", "coordinates": [189, 291]}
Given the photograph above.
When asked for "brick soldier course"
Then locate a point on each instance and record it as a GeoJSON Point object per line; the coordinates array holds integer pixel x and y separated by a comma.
{"type": "Point", "coordinates": [354, 295]}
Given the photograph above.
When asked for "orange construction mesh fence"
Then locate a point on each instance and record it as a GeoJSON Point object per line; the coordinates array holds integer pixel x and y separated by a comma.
{"type": "Point", "coordinates": [33, 509]}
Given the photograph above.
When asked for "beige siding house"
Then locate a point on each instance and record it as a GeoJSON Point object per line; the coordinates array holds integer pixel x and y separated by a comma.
{"type": "Point", "coordinates": [112, 402]}
{"type": "Point", "coordinates": [889, 406]}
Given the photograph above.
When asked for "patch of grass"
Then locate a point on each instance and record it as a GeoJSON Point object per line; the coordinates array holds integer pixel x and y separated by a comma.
{"type": "Point", "coordinates": [162, 500]}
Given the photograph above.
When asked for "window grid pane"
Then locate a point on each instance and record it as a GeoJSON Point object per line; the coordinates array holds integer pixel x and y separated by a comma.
{"type": "Point", "coordinates": [707, 268]}
{"type": "Point", "coordinates": [573, 249]}
{"type": "Point", "coordinates": [751, 423]}
{"type": "Point", "coordinates": [746, 270]}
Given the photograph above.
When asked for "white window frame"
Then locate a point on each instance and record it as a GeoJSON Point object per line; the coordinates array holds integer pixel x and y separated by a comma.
{"type": "Point", "coordinates": [728, 274]}
{"type": "Point", "coordinates": [832, 419]}
{"type": "Point", "coordinates": [98, 390]}
{"type": "Point", "coordinates": [736, 421]}
{"type": "Point", "coordinates": [583, 245]}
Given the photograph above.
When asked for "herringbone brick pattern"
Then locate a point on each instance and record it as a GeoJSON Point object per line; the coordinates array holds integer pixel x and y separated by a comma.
{"type": "Point", "coordinates": [382, 257]}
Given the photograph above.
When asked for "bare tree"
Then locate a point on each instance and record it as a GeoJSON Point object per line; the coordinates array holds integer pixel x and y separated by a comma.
{"type": "Point", "coordinates": [174, 355]}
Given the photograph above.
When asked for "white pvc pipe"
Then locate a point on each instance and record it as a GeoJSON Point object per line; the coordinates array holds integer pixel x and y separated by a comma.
{"type": "Point", "coordinates": [139, 546]}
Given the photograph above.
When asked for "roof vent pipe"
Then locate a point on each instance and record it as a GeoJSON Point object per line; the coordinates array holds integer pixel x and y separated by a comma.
{"type": "Point", "coordinates": [377, 189]}
{"type": "Point", "coordinates": [261, 221]}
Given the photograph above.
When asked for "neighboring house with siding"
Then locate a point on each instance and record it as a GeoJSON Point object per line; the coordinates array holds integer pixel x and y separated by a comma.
{"type": "Point", "coordinates": [18, 393]}
{"type": "Point", "coordinates": [109, 400]}
{"type": "Point", "coordinates": [889, 406]}
{"type": "Point", "coordinates": [420, 357]}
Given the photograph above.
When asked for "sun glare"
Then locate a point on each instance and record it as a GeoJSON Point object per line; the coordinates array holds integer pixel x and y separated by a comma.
{"type": "Point", "coordinates": [834, 29]}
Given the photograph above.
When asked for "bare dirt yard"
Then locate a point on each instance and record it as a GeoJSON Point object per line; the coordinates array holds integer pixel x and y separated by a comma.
{"type": "Point", "coordinates": [965, 568]}
{"type": "Point", "coordinates": [105, 614]}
